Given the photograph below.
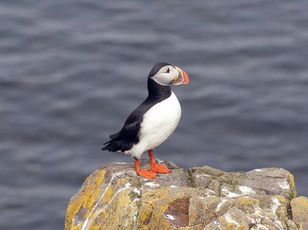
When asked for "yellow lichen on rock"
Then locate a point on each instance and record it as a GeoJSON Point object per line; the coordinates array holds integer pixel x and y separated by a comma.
{"type": "Point", "coordinates": [299, 208]}
{"type": "Point", "coordinates": [291, 181]}
{"type": "Point", "coordinates": [115, 198]}
{"type": "Point", "coordinates": [81, 202]}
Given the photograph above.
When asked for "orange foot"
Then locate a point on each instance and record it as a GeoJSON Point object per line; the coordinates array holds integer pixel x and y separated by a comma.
{"type": "Point", "coordinates": [158, 168]}
{"type": "Point", "coordinates": [146, 173]}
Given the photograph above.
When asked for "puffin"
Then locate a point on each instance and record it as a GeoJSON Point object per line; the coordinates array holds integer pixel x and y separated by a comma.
{"type": "Point", "coordinates": [153, 121]}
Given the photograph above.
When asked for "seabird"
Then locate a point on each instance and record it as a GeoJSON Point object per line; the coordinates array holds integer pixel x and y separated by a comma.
{"type": "Point", "coordinates": [153, 121]}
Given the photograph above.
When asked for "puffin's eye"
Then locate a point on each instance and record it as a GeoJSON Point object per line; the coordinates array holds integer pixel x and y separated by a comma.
{"type": "Point", "coordinates": [168, 70]}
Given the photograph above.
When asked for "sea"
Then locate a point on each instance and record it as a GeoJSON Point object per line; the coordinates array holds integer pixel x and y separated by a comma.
{"type": "Point", "coordinates": [71, 71]}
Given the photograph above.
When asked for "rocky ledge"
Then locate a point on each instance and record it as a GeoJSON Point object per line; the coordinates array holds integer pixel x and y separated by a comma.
{"type": "Point", "coordinates": [114, 198]}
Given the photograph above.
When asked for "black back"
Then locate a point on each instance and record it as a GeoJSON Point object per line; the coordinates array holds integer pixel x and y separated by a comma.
{"type": "Point", "coordinates": [129, 134]}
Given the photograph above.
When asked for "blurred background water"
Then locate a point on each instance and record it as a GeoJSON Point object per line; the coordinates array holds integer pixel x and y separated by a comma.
{"type": "Point", "coordinates": [71, 71]}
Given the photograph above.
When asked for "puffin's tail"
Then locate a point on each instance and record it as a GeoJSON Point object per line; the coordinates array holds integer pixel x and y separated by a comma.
{"type": "Point", "coordinates": [113, 144]}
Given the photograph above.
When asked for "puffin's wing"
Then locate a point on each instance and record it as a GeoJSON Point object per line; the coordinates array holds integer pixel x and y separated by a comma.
{"type": "Point", "coordinates": [126, 138]}
{"type": "Point", "coordinates": [129, 134]}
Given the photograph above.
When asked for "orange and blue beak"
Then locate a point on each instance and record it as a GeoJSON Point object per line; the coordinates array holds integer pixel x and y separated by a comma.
{"type": "Point", "coordinates": [182, 79]}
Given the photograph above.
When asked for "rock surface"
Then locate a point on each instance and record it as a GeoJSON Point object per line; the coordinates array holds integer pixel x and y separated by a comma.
{"type": "Point", "coordinates": [114, 197]}
{"type": "Point", "coordinates": [299, 207]}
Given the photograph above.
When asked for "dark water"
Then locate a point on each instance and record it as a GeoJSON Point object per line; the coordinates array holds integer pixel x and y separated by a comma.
{"type": "Point", "coordinates": [71, 72]}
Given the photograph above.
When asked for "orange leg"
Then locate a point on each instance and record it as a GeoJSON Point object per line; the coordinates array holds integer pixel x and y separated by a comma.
{"type": "Point", "coordinates": [144, 172]}
{"type": "Point", "coordinates": [158, 168]}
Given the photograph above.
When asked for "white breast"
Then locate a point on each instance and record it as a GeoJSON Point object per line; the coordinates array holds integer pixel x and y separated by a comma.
{"type": "Point", "coordinates": [158, 124]}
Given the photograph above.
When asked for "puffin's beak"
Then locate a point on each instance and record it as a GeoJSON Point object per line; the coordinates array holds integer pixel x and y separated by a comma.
{"type": "Point", "coordinates": [183, 79]}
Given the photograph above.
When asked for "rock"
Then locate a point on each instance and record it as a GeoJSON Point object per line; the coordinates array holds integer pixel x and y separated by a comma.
{"type": "Point", "coordinates": [269, 181]}
{"type": "Point", "coordinates": [204, 198]}
{"type": "Point", "coordinates": [111, 197]}
{"type": "Point", "coordinates": [299, 207]}
{"type": "Point", "coordinates": [232, 219]}
{"type": "Point", "coordinates": [293, 226]}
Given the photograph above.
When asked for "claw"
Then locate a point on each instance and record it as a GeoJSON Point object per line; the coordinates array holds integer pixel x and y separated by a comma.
{"type": "Point", "coordinates": [158, 168]}
{"type": "Point", "coordinates": [146, 173]}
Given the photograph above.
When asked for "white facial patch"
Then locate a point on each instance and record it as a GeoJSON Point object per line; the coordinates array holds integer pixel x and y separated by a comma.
{"type": "Point", "coordinates": [166, 75]}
